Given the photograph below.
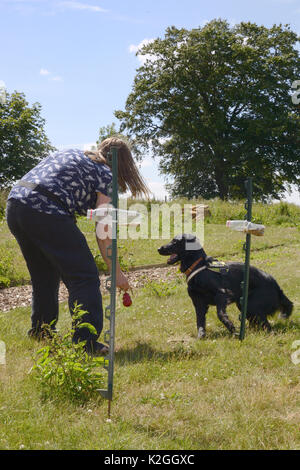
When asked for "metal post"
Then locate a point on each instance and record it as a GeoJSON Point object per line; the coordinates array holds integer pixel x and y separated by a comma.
{"type": "Point", "coordinates": [247, 247]}
{"type": "Point", "coordinates": [110, 310]}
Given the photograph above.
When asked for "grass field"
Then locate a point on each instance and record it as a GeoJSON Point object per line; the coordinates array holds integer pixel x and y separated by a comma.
{"type": "Point", "coordinates": [218, 242]}
{"type": "Point", "coordinates": [172, 391]}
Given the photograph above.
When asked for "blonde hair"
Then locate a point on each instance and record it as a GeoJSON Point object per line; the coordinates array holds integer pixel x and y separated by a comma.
{"type": "Point", "coordinates": [129, 176]}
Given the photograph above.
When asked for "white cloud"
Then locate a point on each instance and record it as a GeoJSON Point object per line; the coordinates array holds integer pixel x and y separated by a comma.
{"type": "Point", "coordinates": [53, 78]}
{"type": "Point", "coordinates": [24, 1]}
{"type": "Point", "coordinates": [158, 189]}
{"type": "Point", "coordinates": [56, 79]}
{"type": "Point", "coordinates": [44, 72]}
{"type": "Point", "coordinates": [82, 6]}
{"type": "Point", "coordinates": [134, 49]}
{"type": "Point", "coordinates": [30, 6]}
{"type": "Point", "coordinates": [146, 163]}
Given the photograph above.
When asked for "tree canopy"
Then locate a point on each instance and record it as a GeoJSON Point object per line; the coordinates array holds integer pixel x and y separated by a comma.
{"type": "Point", "coordinates": [23, 141]}
{"type": "Point", "coordinates": [214, 103]}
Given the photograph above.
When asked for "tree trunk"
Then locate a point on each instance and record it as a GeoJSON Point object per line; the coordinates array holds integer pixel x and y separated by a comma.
{"type": "Point", "coordinates": [220, 176]}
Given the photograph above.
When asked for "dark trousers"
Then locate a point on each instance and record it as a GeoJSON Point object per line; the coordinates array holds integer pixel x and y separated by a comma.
{"type": "Point", "coordinates": [54, 248]}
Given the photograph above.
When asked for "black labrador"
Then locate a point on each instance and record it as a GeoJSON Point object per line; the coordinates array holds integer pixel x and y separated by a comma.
{"type": "Point", "coordinates": [207, 286]}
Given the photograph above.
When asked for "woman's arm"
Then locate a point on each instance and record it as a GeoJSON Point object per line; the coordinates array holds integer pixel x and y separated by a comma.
{"type": "Point", "coordinates": [105, 242]}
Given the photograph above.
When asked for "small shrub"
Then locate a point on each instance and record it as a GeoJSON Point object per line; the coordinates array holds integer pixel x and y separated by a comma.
{"type": "Point", "coordinates": [4, 282]}
{"type": "Point", "coordinates": [64, 370]}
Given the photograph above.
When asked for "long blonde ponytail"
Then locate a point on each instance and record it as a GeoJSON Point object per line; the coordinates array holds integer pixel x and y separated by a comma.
{"type": "Point", "coordinates": [129, 176]}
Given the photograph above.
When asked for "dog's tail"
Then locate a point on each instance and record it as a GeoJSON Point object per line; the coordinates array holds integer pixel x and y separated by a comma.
{"type": "Point", "coordinates": [286, 306]}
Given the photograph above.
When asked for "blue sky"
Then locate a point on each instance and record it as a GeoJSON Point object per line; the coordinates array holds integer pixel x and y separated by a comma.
{"type": "Point", "coordinates": [77, 58]}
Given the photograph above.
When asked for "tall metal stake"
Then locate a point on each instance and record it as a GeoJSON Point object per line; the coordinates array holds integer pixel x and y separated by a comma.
{"type": "Point", "coordinates": [110, 310]}
{"type": "Point", "coordinates": [247, 247]}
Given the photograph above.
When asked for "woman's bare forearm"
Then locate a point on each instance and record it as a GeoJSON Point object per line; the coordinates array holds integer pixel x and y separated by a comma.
{"type": "Point", "coordinates": [104, 244]}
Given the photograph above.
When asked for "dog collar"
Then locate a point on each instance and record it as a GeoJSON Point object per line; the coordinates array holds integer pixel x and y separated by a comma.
{"type": "Point", "coordinates": [190, 269]}
{"type": "Point", "coordinates": [194, 273]}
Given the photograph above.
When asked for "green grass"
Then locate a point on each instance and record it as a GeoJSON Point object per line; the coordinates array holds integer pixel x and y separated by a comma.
{"type": "Point", "coordinates": [171, 391]}
{"type": "Point", "coordinates": [218, 241]}
{"type": "Point", "coordinates": [281, 214]}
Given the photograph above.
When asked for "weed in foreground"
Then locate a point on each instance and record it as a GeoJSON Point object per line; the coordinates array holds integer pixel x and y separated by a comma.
{"type": "Point", "coordinates": [64, 370]}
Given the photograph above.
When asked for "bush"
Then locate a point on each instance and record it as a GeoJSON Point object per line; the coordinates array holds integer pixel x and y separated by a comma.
{"type": "Point", "coordinates": [64, 370]}
{"type": "Point", "coordinates": [6, 267]}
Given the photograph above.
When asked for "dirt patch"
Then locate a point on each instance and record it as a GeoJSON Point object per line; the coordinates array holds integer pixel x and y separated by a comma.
{"type": "Point", "coordinates": [20, 296]}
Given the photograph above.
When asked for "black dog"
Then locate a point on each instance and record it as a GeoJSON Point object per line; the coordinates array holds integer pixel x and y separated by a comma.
{"type": "Point", "coordinates": [210, 287]}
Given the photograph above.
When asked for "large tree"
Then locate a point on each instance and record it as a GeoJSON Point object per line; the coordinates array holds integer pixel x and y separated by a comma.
{"type": "Point", "coordinates": [214, 103]}
{"type": "Point", "coordinates": [23, 141]}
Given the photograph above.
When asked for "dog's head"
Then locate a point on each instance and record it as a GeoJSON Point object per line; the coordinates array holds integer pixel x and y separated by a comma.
{"type": "Point", "coordinates": [185, 248]}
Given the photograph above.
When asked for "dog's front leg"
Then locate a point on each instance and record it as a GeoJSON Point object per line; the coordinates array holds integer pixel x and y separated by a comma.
{"type": "Point", "coordinates": [201, 310]}
{"type": "Point", "coordinates": [221, 302]}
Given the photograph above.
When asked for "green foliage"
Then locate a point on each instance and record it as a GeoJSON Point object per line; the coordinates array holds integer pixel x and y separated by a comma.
{"type": "Point", "coordinates": [100, 263]}
{"type": "Point", "coordinates": [6, 267]}
{"type": "Point", "coordinates": [161, 288]}
{"type": "Point", "coordinates": [107, 131]}
{"type": "Point", "coordinates": [64, 370]}
{"type": "Point", "coordinates": [23, 142]}
{"type": "Point", "coordinates": [126, 255]}
{"type": "Point", "coordinates": [125, 258]}
{"type": "Point", "coordinates": [215, 104]}
{"type": "Point", "coordinates": [134, 253]}
{"type": "Point", "coordinates": [3, 198]}
{"type": "Point", "coordinates": [281, 214]}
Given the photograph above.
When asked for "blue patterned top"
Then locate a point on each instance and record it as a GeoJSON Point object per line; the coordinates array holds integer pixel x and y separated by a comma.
{"type": "Point", "coordinates": [70, 175]}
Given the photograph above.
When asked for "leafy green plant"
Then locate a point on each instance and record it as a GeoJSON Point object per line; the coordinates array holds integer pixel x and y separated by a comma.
{"type": "Point", "coordinates": [64, 369]}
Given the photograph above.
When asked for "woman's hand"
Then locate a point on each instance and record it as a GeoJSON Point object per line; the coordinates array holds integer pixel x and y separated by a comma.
{"type": "Point", "coordinates": [122, 282]}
